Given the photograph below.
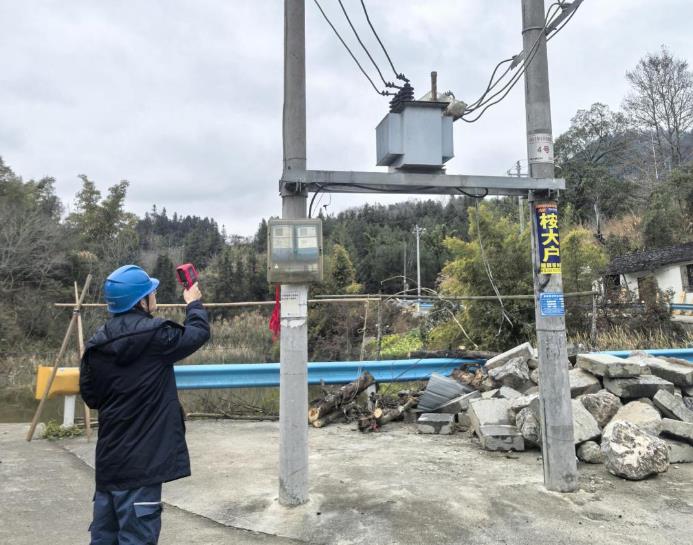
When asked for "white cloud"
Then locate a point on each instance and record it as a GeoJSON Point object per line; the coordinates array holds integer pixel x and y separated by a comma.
{"type": "Point", "coordinates": [184, 99]}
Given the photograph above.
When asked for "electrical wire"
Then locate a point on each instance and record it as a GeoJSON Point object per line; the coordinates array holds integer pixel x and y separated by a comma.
{"type": "Point", "coordinates": [398, 75]}
{"type": "Point", "coordinates": [484, 102]}
{"type": "Point", "coordinates": [368, 53]}
{"type": "Point", "coordinates": [527, 59]}
{"type": "Point", "coordinates": [471, 195]}
{"type": "Point", "coordinates": [375, 88]}
{"type": "Point", "coordinates": [489, 273]}
{"type": "Point", "coordinates": [312, 200]}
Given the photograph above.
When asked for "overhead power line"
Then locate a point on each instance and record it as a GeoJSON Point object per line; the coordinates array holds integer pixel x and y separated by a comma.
{"type": "Point", "coordinates": [398, 75]}
{"type": "Point", "coordinates": [370, 80]}
{"type": "Point", "coordinates": [557, 17]}
{"type": "Point", "coordinates": [368, 53]}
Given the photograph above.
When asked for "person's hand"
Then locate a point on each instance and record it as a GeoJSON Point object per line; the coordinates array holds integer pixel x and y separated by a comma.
{"type": "Point", "coordinates": [193, 293]}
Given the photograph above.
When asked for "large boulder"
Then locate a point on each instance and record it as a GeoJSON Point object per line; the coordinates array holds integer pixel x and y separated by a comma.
{"type": "Point", "coordinates": [513, 373]}
{"type": "Point", "coordinates": [678, 429]}
{"type": "Point", "coordinates": [639, 413]}
{"type": "Point", "coordinates": [585, 427]}
{"type": "Point", "coordinates": [590, 452]}
{"type": "Point", "coordinates": [528, 425]}
{"type": "Point", "coordinates": [632, 453]}
{"type": "Point", "coordinates": [582, 382]}
{"type": "Point", "coordinates": [516, 405]}
{"type": "Point", "coordinates": [602, 405]}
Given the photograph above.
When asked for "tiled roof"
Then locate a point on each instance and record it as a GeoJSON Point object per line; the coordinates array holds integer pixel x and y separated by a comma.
{"type": "Point", "coordinates": [649, 260]}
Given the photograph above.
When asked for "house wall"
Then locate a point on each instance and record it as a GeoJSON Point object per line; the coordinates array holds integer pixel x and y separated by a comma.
{"type": "Point", "coordinates": [668, 278]}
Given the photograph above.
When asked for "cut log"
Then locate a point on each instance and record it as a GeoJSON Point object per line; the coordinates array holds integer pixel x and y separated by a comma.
{"type": "Point", "coordinates": [345, 394]}
{"type": "Point", "coordinates": [383, 416]}
{"type": "Point", "coordinates": [333, 416]}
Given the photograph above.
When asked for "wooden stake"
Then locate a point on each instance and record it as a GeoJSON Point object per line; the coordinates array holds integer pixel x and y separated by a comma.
{"type": "Point", "coordinates": [80, 340]}
{"type": "Point", "coordinates": [63, 347]}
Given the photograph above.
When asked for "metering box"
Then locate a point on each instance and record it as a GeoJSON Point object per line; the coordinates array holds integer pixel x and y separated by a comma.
{"type": "Point", "coordinates": [418, 137]}
{"type": "Point", "coordinates": [294, 251]}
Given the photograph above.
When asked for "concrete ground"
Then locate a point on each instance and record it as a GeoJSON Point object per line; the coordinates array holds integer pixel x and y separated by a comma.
{"type": "Point", "coordinates": [393, 487]}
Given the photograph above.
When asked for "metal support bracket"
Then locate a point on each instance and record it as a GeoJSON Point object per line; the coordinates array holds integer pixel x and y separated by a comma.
{"type": "Point", "coordinates": [331, 181]}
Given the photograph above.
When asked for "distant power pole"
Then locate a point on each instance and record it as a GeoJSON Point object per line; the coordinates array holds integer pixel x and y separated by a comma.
{"type": "Point", "coordinates": [405, 285]}
{"type": "Point", "coordinates": [418, 230]}
{"type": "Point", "coordinates": [520, 207]}
{"type": "Point", "coordinates": [558, 447]}
{"type": "Point", "coordinates": [293, 374]}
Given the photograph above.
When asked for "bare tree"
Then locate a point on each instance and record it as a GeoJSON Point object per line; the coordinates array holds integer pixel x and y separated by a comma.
{"type": "Point", "coordinates": [661, 101]}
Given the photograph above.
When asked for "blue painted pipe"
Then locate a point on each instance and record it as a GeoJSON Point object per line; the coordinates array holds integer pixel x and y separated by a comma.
{"type": "Point", "coordinates": [682, 306]}
{"type": "Point", "coordinates": [260, 375]}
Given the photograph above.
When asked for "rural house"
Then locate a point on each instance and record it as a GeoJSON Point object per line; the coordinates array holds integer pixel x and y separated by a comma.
{"type": "Point", "coordinates": [642, 273]}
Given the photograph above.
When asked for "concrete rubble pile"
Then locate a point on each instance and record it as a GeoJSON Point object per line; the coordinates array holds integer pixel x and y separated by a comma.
{"type": "Point", "coordinates": [634, 414]}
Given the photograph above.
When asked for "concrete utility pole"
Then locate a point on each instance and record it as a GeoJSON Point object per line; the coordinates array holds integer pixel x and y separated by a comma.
{"type": "Point", "coordinates": [418, 230]}
{"type": "Point", "coordinates": [293, 380]}
{"type": "Point", "coordinates": [558, 448]}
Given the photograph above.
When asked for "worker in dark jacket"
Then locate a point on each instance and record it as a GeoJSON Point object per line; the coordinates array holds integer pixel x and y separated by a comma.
{"type": "Point", "coordinates": [127, 375]}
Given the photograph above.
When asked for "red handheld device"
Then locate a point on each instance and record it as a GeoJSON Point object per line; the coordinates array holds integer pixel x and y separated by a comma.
{"type": "Point", "coordinates": [187, 275]}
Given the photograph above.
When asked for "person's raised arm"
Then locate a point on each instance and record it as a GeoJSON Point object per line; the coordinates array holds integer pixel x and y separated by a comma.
{"type": "Point", "coordinates": [179, 343]}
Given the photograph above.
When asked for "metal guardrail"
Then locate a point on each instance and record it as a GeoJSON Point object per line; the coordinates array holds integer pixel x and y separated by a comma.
{"type": "Point", "coordinates": [260, 375]}
{"type": "Point", "coordinates": [264, 375]}
{"type": "Point", "coordinates": [680, 353]}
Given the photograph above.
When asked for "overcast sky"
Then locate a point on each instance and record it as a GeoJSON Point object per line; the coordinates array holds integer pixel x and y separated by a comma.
{"type": "Point", "coordinates": [184, 98]}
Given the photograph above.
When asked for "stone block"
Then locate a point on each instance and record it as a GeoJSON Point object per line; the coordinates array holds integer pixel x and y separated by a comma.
{"type": "Point", "coordinates": [602, 405]}
{"type": "Point", "coordinates": [639, 413]}
{"type": "Point", "coordinates": [688, 402]}
{"type": "Point", "coordinates": [590, 452]}
{"type": "Point", "coordinates": [632, 453]}
{"type": "Point", "coordinates": [436, 423]}
{"type": "Point", "coordinates": [458, 404]}
{"type": "Point", "coordinates": [635, 387]}
{"type": "Point", "coordinates": [489, 412]}
{"type": "Point", "coordinates": [605, 365]}
{"type": "Point", "coordinates": [489, 394]}
{"type": "Point", "coordinates": [514, 373]}
{"type": "Point", "coordinates": [678, 429]}
{"type": "Point", "coordinates": [676, 371]}
{"type": "Point", "coordinates": [500, 438]}
{"type": "Point", "coordinates": [687, 391]}
{"type": "Point", "coordinates": [524, 351]}
{"type": "Point", "coordinates": [533, 363]}
{"type": "Point", "coordinates": [582, 382]}
{"type": "Point", "coordinates": [517, 404]}
{"type": "Point", "coordinates": [679, 452]}
{"type": "Point", "coordinates": [506, 392]}
{"type": "Point", "coordinates": [672, 406]}
{"type": "Point", "coordinates": [527, 423]}
{"type": "Point", "coordinates": [585, 427]}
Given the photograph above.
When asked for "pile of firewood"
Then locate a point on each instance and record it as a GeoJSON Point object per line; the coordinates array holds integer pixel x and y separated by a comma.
{"type": "Point", "coordinates": [342, 405]}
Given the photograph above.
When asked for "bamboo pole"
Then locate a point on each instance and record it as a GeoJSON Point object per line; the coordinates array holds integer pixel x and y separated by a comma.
{"type": "Point", "coordinates": [63, 347]}
{"type": "Point", "coordinates": [80, 341]}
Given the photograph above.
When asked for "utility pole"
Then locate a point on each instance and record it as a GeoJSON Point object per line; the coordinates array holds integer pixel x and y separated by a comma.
{"type": "Point", "coordinates": [558, 448]}
{"type": "Point", "coordinates": [405, 285]}
{"type": "Point", "coordinates": [418, 230]}
{"type": "Point", "coordinates": [293, 376]}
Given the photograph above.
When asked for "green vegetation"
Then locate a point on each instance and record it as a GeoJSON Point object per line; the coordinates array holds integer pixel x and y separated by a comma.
{"type": "Point", "coordinates": [54, 431]}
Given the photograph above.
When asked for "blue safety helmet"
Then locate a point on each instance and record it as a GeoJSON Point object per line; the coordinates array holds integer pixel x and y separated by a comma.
{"type": "Point", "coordinates": [127, 285]}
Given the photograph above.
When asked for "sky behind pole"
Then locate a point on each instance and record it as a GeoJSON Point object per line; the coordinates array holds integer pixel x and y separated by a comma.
{"type": "Point", "coordinates": [184, 99]}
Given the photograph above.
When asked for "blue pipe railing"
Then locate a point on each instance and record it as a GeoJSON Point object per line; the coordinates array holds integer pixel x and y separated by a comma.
{"type": "Point", "coordinates": [682, 306]}
{"type": "Point", "coordinates": [680, 353]}
{"type": "Point", "coordinates": [260, 375]}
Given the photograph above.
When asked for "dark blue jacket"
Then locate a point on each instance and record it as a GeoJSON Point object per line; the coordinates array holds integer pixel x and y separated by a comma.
{"type": "Point", "coordinates": [127, 375]}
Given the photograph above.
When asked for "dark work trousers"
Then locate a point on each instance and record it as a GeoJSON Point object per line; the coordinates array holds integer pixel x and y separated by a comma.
{"type": "Point", "coordinates": [127, 517]}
